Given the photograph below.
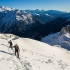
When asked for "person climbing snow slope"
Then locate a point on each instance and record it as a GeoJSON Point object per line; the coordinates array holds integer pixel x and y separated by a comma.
{"type": "Point", "coordinates": [16, 50]}
{"type": "Point", "coordinates": [10, 42]}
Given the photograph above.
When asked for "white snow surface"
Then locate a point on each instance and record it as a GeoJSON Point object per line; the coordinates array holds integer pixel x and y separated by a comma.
{"type": "Point", "coordinates": [37, 14]}
{"type": "Point", "coordinates": [58, 40]}
{"type": "Point", "coordinates": [47, 14]}
{"type": "Point", "coordinates": [34, 55]}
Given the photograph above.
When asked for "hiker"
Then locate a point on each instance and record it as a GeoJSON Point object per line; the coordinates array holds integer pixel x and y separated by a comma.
{"type": "Point", "coordinates": [16, 50]}
{"type": "Point", "coordinates": [10, 42]}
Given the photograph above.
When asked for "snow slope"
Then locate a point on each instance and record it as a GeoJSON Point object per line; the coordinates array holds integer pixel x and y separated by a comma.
{"type": "Point", "coordinates": [60, 39]}
{"type": "Point", "coordinates": [34, 55]}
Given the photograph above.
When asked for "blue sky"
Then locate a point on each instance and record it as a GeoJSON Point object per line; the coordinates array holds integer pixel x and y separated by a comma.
{"type": "Point", "coordinates": [63, 5]}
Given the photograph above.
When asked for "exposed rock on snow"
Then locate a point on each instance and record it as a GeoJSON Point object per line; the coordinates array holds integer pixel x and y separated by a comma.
{"type": "Point", "coordinates": [44, 16]}
{"type": "Point", "coordinates": [65, 30]}
{"type": "Point", "coordinates": [13, 20]}
{"type": "Point", "coordinates": [61, 38]}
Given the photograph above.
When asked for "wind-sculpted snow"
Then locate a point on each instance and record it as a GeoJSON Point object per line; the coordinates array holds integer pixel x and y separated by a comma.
{"type": "Point", "coordinates": [34, 55]}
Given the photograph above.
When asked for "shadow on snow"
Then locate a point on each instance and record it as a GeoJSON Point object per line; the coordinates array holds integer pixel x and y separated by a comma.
{"type": "Point", "coordinates": [6, 52]}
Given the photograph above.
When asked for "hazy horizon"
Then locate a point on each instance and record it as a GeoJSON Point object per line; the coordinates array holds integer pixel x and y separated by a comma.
{"type": "Point", "coordinates": [61, 5]}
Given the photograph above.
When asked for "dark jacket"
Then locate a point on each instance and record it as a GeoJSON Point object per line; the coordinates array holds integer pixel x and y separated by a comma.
{"type": "Point", "coordinates": [10, 42]}
{"type": "Point", "coordinates": [16, 48]}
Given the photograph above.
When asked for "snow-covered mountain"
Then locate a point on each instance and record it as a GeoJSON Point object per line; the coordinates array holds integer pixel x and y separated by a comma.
{"type": "Point", "coordinates": [13, 20]}
{"type": "Point", "coordinates": [67, 17]}
{"type": "Point", "coordinates": [25, 24]}
{"type": "Point", "coordinates": [61, 38]}
{"type": "Point", "coordinates": [43, 12]}
{"type": "Point", "coordinates": [41, 30]}
{"type": "Point", "coordinates": [45, 16]}
{"type": "Point", "coordinates": [34, 55]}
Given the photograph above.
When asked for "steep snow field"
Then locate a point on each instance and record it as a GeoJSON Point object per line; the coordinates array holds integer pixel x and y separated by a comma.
{"type": "Point", "coordinates": [34, 55]}
{"type": "Point", "coordinates": [58, 40]}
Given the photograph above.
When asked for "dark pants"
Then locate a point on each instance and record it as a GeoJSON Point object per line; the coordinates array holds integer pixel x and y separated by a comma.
{"type": "Point", "coordinates": [16, 52]}
{"type": "Point", "coordinates": [11, 47]}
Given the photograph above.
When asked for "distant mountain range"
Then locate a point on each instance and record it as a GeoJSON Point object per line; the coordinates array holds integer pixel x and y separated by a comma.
{"type": "Point", "coordinates": [32, 23]}
{"type": "Point", "coordinates": [40, 30]}
{"type": "Point", "coordinates": [45, 16]}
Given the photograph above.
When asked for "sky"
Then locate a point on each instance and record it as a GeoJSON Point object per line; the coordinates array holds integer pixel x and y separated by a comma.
{"type": "Point", "coordinates": [62, 5]}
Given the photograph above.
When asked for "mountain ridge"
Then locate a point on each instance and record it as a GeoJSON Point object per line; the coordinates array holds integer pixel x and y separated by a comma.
{"type": "Point", "coordinates": [23, 24]}
{"type": "Point", "coordinates": [45, 16]}
{"type": "Point", "coordinates": [10, 17]}
{"type": "Point", "coordinates": [61, 39]}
